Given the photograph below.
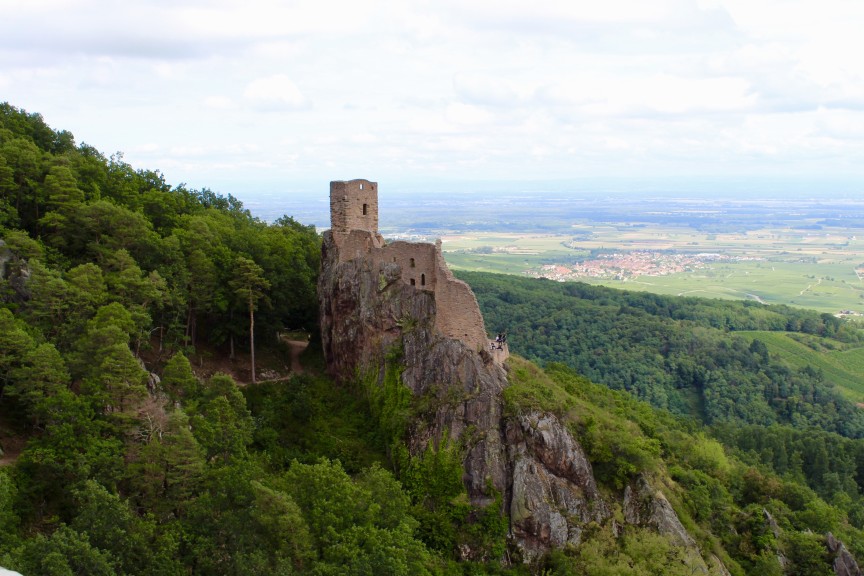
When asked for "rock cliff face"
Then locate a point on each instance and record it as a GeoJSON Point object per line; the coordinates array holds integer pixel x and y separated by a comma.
{"type": "Point", "coordinates": [5, 256]}
{"type": "Point", "coordinates": [15, 272]}
{"type": "Point", "coordinates": [646, 506]}
{"type": "Point", "coordinates": [844, 564]}
{"type": "Point", "coordinates": [552, 486]}
{"type": "Point", "coordinates": [366, 312]}
{"type": "Point", "coordinates": [548, 487]}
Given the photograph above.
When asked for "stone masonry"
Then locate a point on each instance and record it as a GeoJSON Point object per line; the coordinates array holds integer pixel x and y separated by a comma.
{"type": "Point", "coordinates": [354, 226]}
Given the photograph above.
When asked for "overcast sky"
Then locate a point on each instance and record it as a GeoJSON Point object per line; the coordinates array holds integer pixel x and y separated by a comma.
{"type": "Point", "coordinates": [281, 95]}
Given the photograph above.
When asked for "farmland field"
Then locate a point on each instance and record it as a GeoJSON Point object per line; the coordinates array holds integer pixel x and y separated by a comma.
{"type": "Point", "coordinates": [798, 267]}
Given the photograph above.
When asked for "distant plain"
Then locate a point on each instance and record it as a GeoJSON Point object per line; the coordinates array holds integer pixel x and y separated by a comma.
{"type": "Point", "coordinates": [802, 253]}
{"type": "Point", "coordinates": [791, 266]}
{"type": "Point", "coordinates": [802, 250]}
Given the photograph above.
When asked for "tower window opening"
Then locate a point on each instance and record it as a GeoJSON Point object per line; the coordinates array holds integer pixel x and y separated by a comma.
{"type": "Point", "coordinates": [361, 186]}
{"type": "Point", "coordinates": [365, 207]}
{"type": "Point", "coordinates": [413, 282]}
{"type": "Point", "coordinates": [422, 279]}
{"type": "Point", "coordinates": [412, 263]}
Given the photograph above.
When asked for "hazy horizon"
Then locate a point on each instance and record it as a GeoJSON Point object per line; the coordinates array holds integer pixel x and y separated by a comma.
{"type": "Point", "coordinates": [264, 96]}
{"type": "Point", "coordinates": [310, 205]}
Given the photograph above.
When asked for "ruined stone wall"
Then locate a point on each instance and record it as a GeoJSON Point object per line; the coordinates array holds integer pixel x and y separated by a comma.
{"type": "Point", "coordinates": [357, 244]}
{"type": "Point", "coordinates": [353, 206]}
{"type": "Point", "coordinates": [458, 312]}
{"type": "Point", "coordinates": [423, 267]}
{"type": "Point", "coordinates": [354, 221]}
{"type": "Point", "coordinates": [418, 262]}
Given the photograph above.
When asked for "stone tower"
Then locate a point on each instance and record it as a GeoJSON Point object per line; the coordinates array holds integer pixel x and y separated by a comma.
{"type": "Point", "coordinates": [353, 206]}
{"type": "Point", "coordinates": [421, 265]}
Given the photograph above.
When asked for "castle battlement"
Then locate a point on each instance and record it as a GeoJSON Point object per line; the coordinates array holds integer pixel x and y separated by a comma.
{"type": "Point", "coordinates": [354, 228]}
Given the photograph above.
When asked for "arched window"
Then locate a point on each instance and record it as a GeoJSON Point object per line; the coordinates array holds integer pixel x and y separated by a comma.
{"type": "Point", "coordinates": [422, 279]}
{"type": "Point", "coordinates": [365, 207]}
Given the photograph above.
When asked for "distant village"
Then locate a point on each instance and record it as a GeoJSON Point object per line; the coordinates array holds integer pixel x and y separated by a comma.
{"type": "Point", "coordinates": [626, 265]}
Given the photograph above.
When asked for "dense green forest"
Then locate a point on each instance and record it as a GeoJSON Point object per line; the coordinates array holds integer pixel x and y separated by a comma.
{"type": "Point", "coordinates": [680, 354]}
{"type": "Point", "coordinates": [110, 277]}
{"type": "Point", "coordinates": [683, 355]}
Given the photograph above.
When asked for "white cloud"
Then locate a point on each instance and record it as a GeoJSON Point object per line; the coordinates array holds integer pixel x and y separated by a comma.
{"type": "Point", "coordinates": [467, 114]}
{"type": "Point", "coordinates": [657, 94]}
{"type": "Point", "coordinates": [479, 89]}
{"type": "Point", "coordinates": [148, 148]}
{"type": "Point", "coordinates": [219, 102]}
{"type": "Point", "coordinates": [490, 89]}
{"type": "Point", "coordinates": [275, 92]}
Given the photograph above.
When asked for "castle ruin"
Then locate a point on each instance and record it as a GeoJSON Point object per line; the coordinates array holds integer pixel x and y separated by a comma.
{"type": "Point", "coordinates": [354, 228]}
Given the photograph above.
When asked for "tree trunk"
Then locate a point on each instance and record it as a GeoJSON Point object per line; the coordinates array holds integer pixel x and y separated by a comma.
{"type": "Point", "coordinates": [231, 335]}
{"type": "Point", "coordinates": [252, 335]}
{"type": "Point", "coordinates": [188, 324]}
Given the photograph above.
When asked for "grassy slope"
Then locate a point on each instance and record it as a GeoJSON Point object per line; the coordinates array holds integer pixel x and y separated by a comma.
{"type": "Point", "coordinates": [845, 368]}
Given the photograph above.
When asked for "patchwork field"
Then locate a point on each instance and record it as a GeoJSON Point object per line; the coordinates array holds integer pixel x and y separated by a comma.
{"type": "Point", "coordinates": [809, 266]}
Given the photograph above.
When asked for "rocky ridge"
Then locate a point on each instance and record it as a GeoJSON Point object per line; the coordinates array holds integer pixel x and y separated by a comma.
{"type": "Point", "coordinates": [549, 491]}
{"type": "Point", "coordinates": [15, 271]}
{"type": "Point", "coordinates": [844, 564]}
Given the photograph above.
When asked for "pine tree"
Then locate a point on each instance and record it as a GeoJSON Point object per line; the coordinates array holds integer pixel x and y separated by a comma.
{"type": "Point", "coordinates": [249, 286]}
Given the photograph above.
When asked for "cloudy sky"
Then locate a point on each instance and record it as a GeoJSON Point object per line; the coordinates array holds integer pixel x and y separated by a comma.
{"type": "Point", "coordinates": [281, 95]}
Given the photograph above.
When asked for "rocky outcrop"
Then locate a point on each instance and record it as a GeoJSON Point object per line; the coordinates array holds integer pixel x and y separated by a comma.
{"type": "Point", "coordinates": [533, 461]}
{"type": "Point", "coordinates": [646, 506]}
{"type": "Point", "coordinates": [15, 272]}
{"type": "Point", "coordinates": [844, 564]}
{"type": "Point", "coordinates": [554, 493]}
{"type": "Point", "coordinates": [545, 481]}
{"type": "Point", "coordinates": [366, 313]}
{"type": "Point", "coordinates": [717, 566]}
{"type": "Point", "coordinates": [5, 256]}
{"type": "Point", "coordinates": [771, 524]}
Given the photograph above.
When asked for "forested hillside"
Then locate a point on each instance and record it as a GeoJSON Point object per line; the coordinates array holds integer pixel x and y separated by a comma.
{"type": "Point", "coordinates": [683, 355]}
{"type": "Point", "coordinates": [680, 354]}
{"type": "Point", "coordinates": [95, 231]}
{"type": "Point", "coordinates": [104, 265]}
{"type": "Point", "coordinates": [132, 461]}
